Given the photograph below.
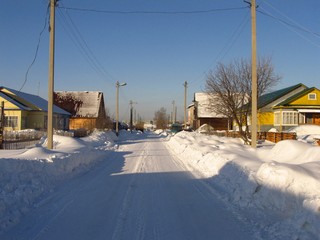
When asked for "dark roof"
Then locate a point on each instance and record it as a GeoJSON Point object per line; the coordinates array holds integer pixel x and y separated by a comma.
{"type": "Point", "coordinates": [270, 97]}
{"type": "Point", "coordinates": [33, 102]}
{"type": "Point", "coordinates": [296, 96]}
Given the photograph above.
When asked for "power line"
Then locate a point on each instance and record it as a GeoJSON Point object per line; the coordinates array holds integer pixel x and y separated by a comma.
{"type": "Point", "coordinates": [292, 27]}
{"type": "Point", "coordinates": [289, 24]}
{"type": "Point", "coordinates": [228, 46]}
{"type": "Point", "coordinates": [82, 46]}
{"type": "Point", "coordinates": [293, 24]}
{"type": "Point", "coordinates": [152, 12]}
{"type": "Point", "coordinates": [37, 50]}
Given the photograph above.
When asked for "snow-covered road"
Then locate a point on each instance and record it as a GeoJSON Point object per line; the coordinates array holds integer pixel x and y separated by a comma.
{"type": "Point", "coordinates": [141, 191]}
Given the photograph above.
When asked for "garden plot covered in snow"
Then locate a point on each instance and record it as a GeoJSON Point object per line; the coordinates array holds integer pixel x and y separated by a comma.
{"type": "Point", "coordinates": [281, 182]}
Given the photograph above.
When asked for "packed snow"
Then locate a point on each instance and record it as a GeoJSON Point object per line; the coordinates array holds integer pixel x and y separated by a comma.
{"type": "Point", "coordinates": [280, 182]}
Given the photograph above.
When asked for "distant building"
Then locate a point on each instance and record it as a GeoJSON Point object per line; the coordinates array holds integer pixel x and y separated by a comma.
{"type": "Point", "coordinates": [87, 109]}
{"type": "Point", "coordinates": [202, 112]}
{"type": "Point", "coordinates": [27, 111]}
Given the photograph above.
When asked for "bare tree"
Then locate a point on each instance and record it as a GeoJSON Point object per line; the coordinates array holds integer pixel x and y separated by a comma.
{"type": "Point", "coordinates": [229, 87]}
{"type": "Point", "coordinates": [160, 118]}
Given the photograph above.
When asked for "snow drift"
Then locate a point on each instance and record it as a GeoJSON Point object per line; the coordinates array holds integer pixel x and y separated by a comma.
{"type": "Point", "coordinates": [27, 174]}
{"type": "Point", "coordinates": [281, 182]}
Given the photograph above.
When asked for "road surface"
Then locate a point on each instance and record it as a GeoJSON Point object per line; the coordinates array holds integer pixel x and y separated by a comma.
{"type": "Point", "coordinates": [141, 192]}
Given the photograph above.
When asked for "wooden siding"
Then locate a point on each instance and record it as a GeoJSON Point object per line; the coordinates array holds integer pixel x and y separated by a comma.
{"type": "Point", "coordinates": [302, 101]}
{"type": "Point", "coordinates": [82, 123]}
{"type": "Point", "coordinates": [266, 118]}
{"type": "Point", "coordinates": [216, 123]}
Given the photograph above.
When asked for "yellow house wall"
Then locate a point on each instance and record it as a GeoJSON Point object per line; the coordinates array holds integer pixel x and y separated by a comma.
{"type": "Point", "coordinates": [266, 118]}
{"type": "Point", "coordinates": [19, 99]}
{"type": "Point", "coordinates": [13, 113]}
{"type": "Point", "coordinates": [305, 101]}
{"type": "Point", "coordinates": [36, 120]}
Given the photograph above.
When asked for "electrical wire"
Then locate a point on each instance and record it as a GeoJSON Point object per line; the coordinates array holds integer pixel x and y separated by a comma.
{"type": "Point", "coordinates": [82, 46]}
{"type": "Point", "coordinates": [289, 23]}
{"type": "Point", "coordinates": [293, 28]}
{"type": "Point", "coordinates": [153, 12]}
{"type": "Point", "coordinates": [228, 46]}
{"type": "Point", "coordinates": [37, 50]}
{"type": "Point", "coordinates": [293, 23]}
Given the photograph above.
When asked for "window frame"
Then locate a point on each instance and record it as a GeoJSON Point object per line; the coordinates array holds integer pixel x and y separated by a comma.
{"type": "Point", "coordinates": [11, 121]}
{"type": "Point", "coordinates": [311, 98]}
{"type": "Point", "coordinates": [286, 118]}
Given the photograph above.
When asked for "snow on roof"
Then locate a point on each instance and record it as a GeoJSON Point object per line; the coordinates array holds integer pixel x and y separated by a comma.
{"type": "Point", "coordinates": [14, 102]}
{"type": "Point", "coordinates": [204, 106]}
{"type": "Point", "coordinates": [79, 104]}
{"type": "Point", "coordinates": [33, 101]}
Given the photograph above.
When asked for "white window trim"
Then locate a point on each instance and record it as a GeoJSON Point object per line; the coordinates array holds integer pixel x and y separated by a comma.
{"type": "Point", "coordinates": [312, 94]}
{"type": "Point", "coordinates": [281, 119]}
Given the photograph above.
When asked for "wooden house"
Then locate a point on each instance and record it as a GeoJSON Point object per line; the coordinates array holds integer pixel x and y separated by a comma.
{"type": "Point", "coordinates": [201, 112]}
{"type": "Point", "coordinates": [289, 107]}
{"type": "Point", "coordinates": [27, 111]}
{"type": "Point", "coordinates": [87, 109]}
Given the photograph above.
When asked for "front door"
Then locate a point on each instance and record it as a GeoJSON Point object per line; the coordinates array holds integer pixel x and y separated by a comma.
{"type": "Point", "coordinates": [316, 118]}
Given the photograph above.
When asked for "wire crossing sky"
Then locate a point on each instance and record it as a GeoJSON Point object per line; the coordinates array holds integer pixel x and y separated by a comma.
{"type": "Point", "coordinates": [153, 46]}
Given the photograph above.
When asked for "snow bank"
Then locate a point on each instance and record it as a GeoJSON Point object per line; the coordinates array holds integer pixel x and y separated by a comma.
{"type": "Point", "coordinates": [282, 182]}
{"type": "Point", "coordinates": [306, 133]}
{"type": "Point", "coordinates": [27, 174]}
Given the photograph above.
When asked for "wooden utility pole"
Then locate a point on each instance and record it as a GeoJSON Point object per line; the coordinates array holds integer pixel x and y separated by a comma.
{"type": "Point", "coordinates": [117, 108]}
{"type": "Point", "coordinates": [185, 104]}
{"type": "Point", "coordinates": [1, 124]}
{"type": "Point", "coordinates": [51, 75]}
{"type": "Point", "coordinates": [254, 96]}
{"type": "Point", "coordinates": [131, 114]}
{"type": "Point", "coordinates": [173, 112]}
{"type": "Point", "coordinates": [117, 105]}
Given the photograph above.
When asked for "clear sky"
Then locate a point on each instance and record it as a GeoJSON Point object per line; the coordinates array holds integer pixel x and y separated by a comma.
{"type": "Point", "coordinates": [153, 46]}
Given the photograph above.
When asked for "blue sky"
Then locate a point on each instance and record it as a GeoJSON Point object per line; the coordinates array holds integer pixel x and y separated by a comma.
{"type": "Point", "coordinates": [154, 53]}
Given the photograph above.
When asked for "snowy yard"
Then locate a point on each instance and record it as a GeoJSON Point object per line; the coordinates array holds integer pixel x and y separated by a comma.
{"type": "Point", "coordinates": [146, 186]}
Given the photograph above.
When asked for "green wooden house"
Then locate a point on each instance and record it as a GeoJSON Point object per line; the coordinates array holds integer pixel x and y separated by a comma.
{"type": "Point", "coordinates": [289, 107]}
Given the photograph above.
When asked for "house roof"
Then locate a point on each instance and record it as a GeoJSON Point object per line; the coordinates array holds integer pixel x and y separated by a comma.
{"type": "Point", "coordinates": [79, 104]}
{"type": "Point", "coordinates": [270, 97]}
{"type": "Point", "coordinates": [204, 106]}
{"type": "Point", "coordinates": [29, 102]}
{"type": "Point", "coordinates": [296, 96]}
{"type": "Point", "coordinates": [14, 102]}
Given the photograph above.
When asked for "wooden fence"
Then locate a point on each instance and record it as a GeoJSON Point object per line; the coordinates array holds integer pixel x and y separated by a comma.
{"type": "Point", "coordinates": [276, 136]}
{"type": "Point", "coordinates": [19, 144]}
{"type": "Point", "coordinates": [269, 136]}
{"type": "Point", "coordinates": [23, 139]}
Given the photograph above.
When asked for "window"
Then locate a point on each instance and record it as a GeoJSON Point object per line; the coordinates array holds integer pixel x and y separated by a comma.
{"type": "Point", "coordinates": [312, 96]}
{"type": "Point", "coordinates": [290, 118]}
{"type": "Point", "coordinates": [11, 121]}
{"type": "Point", "coordinates": [286, 118]}
{"type": "Point", "coordinates": [277, 120]}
